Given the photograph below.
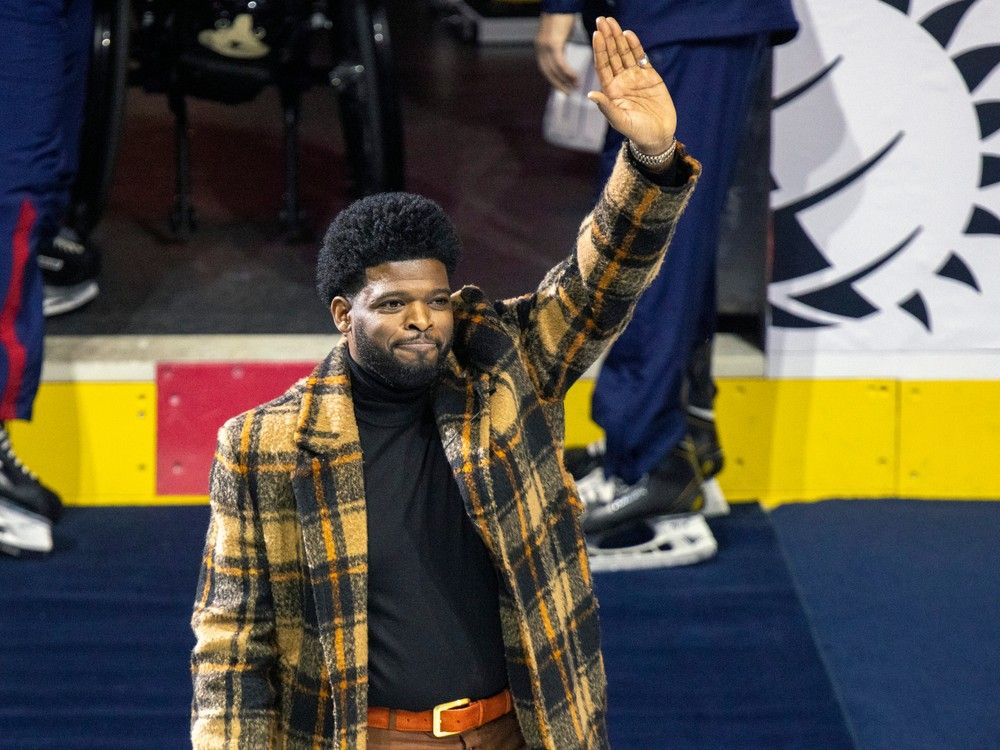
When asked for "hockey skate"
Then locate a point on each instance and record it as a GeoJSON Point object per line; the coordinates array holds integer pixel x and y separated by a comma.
{"type": "Point", "coordinates": [586, 463]}
{"type": "Point", "coordinates": [708, 453]}
{"type": "Point", "coordinates": [581, 460]}
{"type": "Point", "coordinates": [653, 523]}
{"type": "Point", "coordinates": [70, 268]}
{"type": "Point", "coordinates": [27, 507]}
{"type": "Point", "coordinates": [700, 397]}
{"type": "Point", "coordinates": [23, 530]}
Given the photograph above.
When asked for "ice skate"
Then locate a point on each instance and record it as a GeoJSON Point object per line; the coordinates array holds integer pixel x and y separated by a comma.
{"type": "Point", "coordinates": [653, 523]}
{"type": "Point", "coordinates": [708, 452]}
{"type": "Point", "coordinates": [70, 268]}
{"type": "Point", "coordinates": [581, 460]}
{"type": "Point", "coordinates": [21, 530]}
{"type": "Point", "coordinates": [27, 507]}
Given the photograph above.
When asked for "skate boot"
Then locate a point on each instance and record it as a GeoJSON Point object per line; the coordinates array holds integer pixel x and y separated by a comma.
{"type": "Point", "coordinates": [69, 269]}
{"type": "Point", "coordinates": [586, 463]}
{"type": "Point", "coordinates": [653, 523]}
{"type": "Point", "coordinates": [27, 507]}
{"type": "Point", "coordinates": [708, 452]}
{"type": "Point", "coordinates": [582, 460]}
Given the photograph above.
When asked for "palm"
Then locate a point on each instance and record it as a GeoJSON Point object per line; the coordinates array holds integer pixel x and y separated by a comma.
{"type": "Point", "coordinates": [633, 96]}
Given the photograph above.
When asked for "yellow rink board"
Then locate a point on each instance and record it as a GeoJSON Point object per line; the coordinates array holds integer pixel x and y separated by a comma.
{"type": "Point", "coordinates": [94, 443]}
{"type": "Point", "coordinates": [784, 440]}
{"type": "Point", "coordinates": [805, 440]}
{"type": "Point", "coordinates": [950, 439]}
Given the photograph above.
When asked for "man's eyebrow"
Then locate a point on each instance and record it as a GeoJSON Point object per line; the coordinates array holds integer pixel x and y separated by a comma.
{"type": "Point", "coordinates": [406, 296]}
{"type": "Point", "coordinates": [391, 293]}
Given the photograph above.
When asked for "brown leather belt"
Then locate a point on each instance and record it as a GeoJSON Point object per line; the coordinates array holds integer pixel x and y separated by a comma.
{"type": "Point", "coordinates": [444, 719]}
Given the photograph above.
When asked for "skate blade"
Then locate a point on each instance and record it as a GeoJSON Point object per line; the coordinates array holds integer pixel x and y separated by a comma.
{"type": "Point", "coordinates": [23, 530]}
{"type": "Point", "coordinates": [60, 300]}
{"type": "Point", "coordinates": [714, 501]}
{"type": "Point", "coordinates": [676, 541]}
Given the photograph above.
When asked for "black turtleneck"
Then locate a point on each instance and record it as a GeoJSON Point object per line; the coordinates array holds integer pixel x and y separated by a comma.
{"type": "Point", "coordinates": [433, 610]}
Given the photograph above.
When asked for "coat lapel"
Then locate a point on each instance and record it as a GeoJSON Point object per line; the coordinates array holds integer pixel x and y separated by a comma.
{"type": "Point", "coordinates": [329, 495]}
{"type": "Point", "coordinates": [461, 409]}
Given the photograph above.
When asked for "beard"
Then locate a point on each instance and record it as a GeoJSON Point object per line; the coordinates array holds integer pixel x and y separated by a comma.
{"type": "Point", "coordinates": [405, 376]}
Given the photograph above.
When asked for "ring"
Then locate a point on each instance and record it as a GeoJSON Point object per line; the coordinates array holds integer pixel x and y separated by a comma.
{"type": "Point", "coordinates": [643, 61]}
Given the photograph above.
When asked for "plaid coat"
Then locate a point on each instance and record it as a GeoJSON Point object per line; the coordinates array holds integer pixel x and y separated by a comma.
{"type": "Point", "coordinates": [281, 615]}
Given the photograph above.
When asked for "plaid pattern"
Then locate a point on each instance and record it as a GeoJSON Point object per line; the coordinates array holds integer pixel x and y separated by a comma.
{"type": "Point", "coordinates": [281, 610]}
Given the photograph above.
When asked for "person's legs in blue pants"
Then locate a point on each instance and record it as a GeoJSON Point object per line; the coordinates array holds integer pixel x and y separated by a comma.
{"type": "Point", "coordinates": [42, 79]}
{"type": "Point", "coordinates": [638, 397]}
{"type": "Point", "coordinates": [31, 76]}
{"type": "Point", "coordinates": [69, 263]}
{"type": "Point", "coordinates": [78, 31]}
{"type": "Point", "coordinates": [43, 68]}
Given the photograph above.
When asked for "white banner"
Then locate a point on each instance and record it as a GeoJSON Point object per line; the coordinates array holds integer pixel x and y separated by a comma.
{"type": "Point", "coordinates": [886, 163]}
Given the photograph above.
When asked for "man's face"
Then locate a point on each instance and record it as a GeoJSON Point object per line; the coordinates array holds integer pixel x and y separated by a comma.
{"type": "Point", "coordinates": [400, 324]}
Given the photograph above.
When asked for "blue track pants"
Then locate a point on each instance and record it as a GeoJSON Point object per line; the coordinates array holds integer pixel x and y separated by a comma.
{"type": "Point", "coordinates": [638, 397]}
{"type": "Point", "coordinates": [43, 67]}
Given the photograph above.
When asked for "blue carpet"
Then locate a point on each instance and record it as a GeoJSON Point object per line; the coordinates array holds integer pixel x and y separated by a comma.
{"type": "Point", "coordinates": [94, 640]}
{"type": "Point", "coordinates": [717, 655]}
{"type": "Point", "coordinates": [904, 597]}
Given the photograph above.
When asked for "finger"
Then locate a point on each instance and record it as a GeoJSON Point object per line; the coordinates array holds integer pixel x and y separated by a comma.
{"type": "Point", "coordinates": [603, 103]}
{"type": "Point", "coordinates": [615, 116]}
{"type": "Point", "coordinates": [602, 63]}
{"type": "Point", "coordinates": [624, 50]}
{"type": "Point", "coordinates": [614, 58]}
{"type": "Point", "coordinates": [545, 65]}
{"type": "Point", "coordinates": [564, 71]}
{"type": "Point", "coordinates": [556, 81]}
{"type": "Point", "coordinates": [635, 45]}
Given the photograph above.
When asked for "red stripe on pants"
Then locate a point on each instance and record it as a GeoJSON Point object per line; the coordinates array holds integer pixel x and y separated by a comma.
{"type": "Point", "coordinates": [12, 346]}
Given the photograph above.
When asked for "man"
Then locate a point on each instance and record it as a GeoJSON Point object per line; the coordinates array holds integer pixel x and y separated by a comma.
{"type": "Point", "coordinates": [655, 395]}
{"type": "Point", "coordinates": [394, 552]}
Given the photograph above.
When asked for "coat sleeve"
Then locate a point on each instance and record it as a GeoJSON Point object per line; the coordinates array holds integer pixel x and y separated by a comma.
{"type": "Point", "coordinates": [234, 657]}
{"type": "Point", "coordinates": [584, 302]}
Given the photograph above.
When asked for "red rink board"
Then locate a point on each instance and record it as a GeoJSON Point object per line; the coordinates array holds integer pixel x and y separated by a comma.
{"type": "Point", "coordinates": [193, 402]}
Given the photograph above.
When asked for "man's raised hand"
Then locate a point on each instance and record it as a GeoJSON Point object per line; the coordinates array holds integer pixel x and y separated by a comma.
{"type": "Point", "coordinates": [633, 96]}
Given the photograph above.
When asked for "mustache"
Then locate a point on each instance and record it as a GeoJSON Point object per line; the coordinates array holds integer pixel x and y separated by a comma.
{"type": "Point", "coordinates": [421, 339]}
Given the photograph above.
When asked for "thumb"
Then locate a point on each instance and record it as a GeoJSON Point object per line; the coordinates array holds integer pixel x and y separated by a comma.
{"type": "Point", "coordinates": [608, 109]}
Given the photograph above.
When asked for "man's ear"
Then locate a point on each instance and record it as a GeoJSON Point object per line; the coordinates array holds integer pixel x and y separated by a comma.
{"type": "Point", "coordinates": [340, 309]}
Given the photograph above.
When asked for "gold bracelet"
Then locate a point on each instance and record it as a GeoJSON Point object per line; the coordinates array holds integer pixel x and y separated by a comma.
{"type": "Point", "coordinates": [652, 161]}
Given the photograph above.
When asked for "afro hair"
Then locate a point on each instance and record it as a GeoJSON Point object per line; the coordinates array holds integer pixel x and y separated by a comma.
{"type": "Point", "coordinates": [379, 229]}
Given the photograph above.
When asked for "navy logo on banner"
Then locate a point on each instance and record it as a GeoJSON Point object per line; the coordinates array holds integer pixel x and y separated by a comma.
{"type": "Point", "coordinates": [886, 168]}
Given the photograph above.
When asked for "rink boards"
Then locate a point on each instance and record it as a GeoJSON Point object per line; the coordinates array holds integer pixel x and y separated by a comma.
{"type": "Point", "coordinates": [133, 420]}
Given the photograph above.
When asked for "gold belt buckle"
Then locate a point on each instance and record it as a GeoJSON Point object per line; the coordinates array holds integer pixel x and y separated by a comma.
{"type": "Point", "coordinates": [436, 716]}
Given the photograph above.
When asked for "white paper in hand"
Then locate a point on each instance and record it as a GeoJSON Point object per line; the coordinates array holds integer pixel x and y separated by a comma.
{"type": "Point", "coordinates": [571, 120]}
